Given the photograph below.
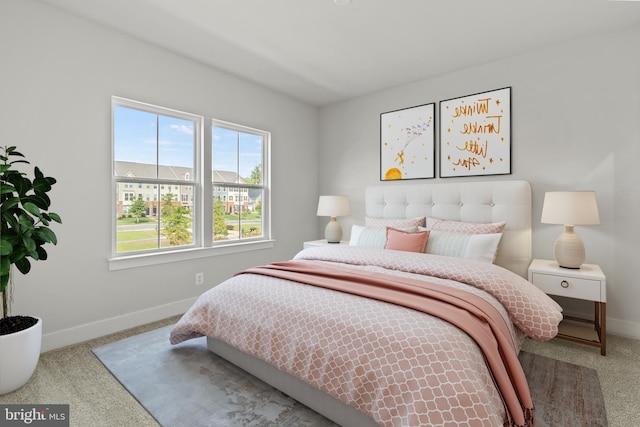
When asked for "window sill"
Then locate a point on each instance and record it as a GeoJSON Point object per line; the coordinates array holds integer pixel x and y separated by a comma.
{"type": "Point", "coordinates": [145, 260]}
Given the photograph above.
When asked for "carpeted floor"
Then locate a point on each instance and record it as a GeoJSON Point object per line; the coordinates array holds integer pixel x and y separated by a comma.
{"type": "Point", "coordinates": [73, 375]}
{"type": "Point", "coordinates": [188, 385]}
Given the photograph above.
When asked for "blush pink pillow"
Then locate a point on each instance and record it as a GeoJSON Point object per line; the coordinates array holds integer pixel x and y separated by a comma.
{"type": "Point", "coordinates": [405, 241]}
{"type": "Point", "coordinates": [394, 222]}
{"type": "Point", "coordinates": [465, 227]}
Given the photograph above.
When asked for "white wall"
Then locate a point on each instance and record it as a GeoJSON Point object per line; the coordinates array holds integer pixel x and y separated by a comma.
{"type": "Point", "coordinates": [576, 110]}
{"type": "Point", "coordinates": [57, 77]}
{"type": "Point", "coordinates": [575, 125]}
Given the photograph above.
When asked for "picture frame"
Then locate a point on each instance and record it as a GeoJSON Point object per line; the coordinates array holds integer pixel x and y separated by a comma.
{"type": "Point", "coordinates": [407, 143]}
{"type": "Point", "coordinates": [475, 134]}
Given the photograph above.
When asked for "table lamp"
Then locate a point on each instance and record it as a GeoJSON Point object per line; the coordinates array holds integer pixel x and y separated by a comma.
{"type": "Point", "coordinates": [333, 206]}
{"type": "Point", "coordinates": [570, 208]}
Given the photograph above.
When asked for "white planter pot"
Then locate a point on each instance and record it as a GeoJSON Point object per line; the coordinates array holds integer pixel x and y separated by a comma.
{"type": "Point", "coordinates": [19, 354]}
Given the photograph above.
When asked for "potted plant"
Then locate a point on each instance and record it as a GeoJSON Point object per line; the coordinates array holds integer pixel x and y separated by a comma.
{"type": "Point", "coordinates": [24, 230]}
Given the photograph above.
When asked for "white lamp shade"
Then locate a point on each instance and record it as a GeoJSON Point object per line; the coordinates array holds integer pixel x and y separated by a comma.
{"type": "Point", "coordinates": [570, 208]}
{"type": "Point", "coordinates": [333, 206]}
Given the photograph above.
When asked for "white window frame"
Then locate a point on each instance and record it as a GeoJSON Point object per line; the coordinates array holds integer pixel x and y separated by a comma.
{"type": "Point", "coordinates": [203, 208]}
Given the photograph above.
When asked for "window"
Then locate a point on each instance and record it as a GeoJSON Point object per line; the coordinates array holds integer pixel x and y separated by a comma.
{"type": "Point", "coordinates": [153, 147]}
{"type": "Point", "coordinates": [239, 182]}
{"type": "Point", "coordinates": [181, 181]}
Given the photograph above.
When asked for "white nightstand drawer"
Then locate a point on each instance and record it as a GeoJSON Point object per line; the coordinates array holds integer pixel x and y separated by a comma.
{"type": "Point", "coordinates": [568, 286]}
{"type": "Point", "coordinates": [323, 242]}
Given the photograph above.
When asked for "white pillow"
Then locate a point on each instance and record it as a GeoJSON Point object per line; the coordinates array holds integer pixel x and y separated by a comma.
{"type": "Point", "coordinates": [371, 237]}
{"type": "Point", "coordinates": [481, 247]}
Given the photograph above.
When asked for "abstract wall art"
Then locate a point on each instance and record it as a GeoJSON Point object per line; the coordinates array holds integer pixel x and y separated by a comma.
{"type": "Point", "coordinates": [407, 147]}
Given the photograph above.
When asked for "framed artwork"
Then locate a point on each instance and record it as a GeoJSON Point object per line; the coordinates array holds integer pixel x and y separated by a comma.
{"type": "Point", "coordinates": [407, 147]}
{"type": "Point", "coordinates": [475, 134]}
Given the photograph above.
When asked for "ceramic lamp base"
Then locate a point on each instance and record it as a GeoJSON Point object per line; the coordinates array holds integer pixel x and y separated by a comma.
{"type": "Point", "coordinates": [333, 231]}
{"type": "Point", "coordinates": [569, 249]}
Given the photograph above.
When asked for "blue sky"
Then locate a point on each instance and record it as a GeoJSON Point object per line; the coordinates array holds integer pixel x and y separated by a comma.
{"type": "Point", "coordinates": [227, 143]}
{"type": "Point", "coordinates": [140, 136]}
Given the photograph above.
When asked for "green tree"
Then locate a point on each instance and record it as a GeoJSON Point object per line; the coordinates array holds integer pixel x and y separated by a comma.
{"type": "Point", "coordinates": [138, 209]}
{"type": "Point", "coordinates": [176, 222]}
{"type": "Point", "coordinates": [167, 204]}
{"type": "Point", "coordinates": [256, 175]}
{"type": "Point", "coordinates": [219, 224]}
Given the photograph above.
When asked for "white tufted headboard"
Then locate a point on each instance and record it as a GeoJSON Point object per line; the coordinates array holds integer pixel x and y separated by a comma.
{"type": "Point", "coordinates": [490, 201]}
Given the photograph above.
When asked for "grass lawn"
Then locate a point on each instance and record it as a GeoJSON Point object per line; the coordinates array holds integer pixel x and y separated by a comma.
{"type": "Point", "coordinates": [132, 221]}
{"type": "Point", "coordinates": [137, 240]}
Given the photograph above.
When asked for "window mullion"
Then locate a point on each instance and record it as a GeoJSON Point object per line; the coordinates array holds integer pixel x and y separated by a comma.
{"type": "Point", "coordinates": [206, 187]}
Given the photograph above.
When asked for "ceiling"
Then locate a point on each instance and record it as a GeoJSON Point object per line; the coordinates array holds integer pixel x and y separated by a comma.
{"type": "Point", "coordinates": [321, 52]}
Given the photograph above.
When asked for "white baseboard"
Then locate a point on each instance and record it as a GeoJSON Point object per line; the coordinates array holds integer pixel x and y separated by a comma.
{"type": "Point", "coordinates": [623, 328]}
{"type": "Point", "coordinates": [92, 330]}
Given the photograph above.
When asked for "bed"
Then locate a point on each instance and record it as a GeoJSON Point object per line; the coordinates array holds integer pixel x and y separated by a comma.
{"type": "Point", "coordinates": [369, 335]}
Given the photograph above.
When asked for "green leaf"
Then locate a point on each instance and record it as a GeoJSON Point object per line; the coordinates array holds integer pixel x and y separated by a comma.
{"type": "Point", "coordinates": [23, 265]}
{"type": "Point", "coordinates": [42, 254]}
{"type": "Point", "coordinates": [18, 253]}
{"type": "Point", "coordinates": [26, 222]}
{"type": "Point", "coordinates": [45, 198]}
{"type": "Point", "coordinates": [6, 188]}
{"type": "Point", "coordinates": [41, 185]}
{"type": "Point", "coordinates": [9, 203]}
{"type": "Point", "coordinates": [21, 183]}
{"type": "Point", "coordinates": [19, 161]}
{"type": "Point", "coordinates": [10, 220]}
{"type": "Point", "coordinates": [55, 217]}
{"type": "Point", "coordinates": [32, 209]}
{"type": "Point", "coordinates": [5, 247]}
{"type": "Point", "coordinates": [46, 235]}
{"type": "Point", "coordinates": [11, 151]}
{"type": "Point", "coordinates": [29, 243]}
{"type": "Point", "coordinates": [38, 200]}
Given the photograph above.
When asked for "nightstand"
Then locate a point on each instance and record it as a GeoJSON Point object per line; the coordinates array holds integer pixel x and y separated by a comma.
{"type": "Point", "coordinates": [586, 283]}
{"type": "Point", "coordinates": [322, 242]}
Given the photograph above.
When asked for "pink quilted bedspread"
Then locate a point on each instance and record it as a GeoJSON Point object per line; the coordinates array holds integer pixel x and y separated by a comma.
{"type": "Point", "coordinates": [400, 366]}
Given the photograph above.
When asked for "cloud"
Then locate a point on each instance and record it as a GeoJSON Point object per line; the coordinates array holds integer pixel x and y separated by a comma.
{"type": "Point", "coordinates": [188, 130]}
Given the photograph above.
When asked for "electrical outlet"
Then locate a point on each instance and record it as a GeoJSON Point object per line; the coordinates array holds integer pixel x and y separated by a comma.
{"type": "Point", "coordinates": [199, 279]}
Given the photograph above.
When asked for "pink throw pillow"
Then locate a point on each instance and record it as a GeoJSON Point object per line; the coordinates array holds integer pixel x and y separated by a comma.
{"type": "Point", "coordinates": [405, 241]}
{"type": "Point", "coordinates": [394, 222]}
{"type": "Point", "coordinates": [465, 227]}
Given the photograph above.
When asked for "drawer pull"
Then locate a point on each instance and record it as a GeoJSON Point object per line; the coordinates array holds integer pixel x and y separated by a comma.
{"type": "Point", "coordinates": [564, 284]}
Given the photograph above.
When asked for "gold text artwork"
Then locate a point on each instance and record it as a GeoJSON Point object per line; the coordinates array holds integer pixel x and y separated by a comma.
{"type": "Point", "coordinates": [475, 134]}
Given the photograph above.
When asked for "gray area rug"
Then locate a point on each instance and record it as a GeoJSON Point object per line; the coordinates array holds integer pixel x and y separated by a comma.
{"type": "Point", "coordinates": [187, 385]}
